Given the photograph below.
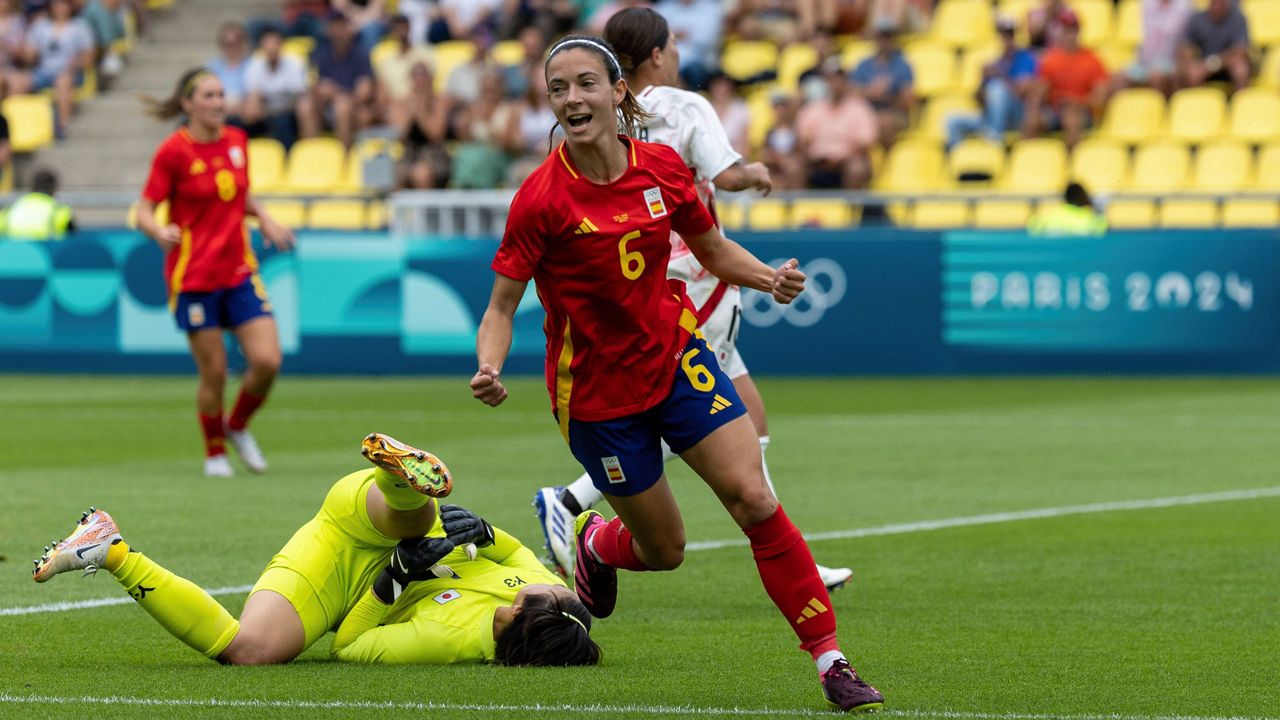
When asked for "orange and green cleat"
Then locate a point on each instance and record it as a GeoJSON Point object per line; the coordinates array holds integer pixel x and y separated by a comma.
{"type": "Point", "coordinates": [419, 469]}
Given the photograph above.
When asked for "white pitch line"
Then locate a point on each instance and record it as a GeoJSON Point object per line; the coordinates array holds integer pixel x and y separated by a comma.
{"type": "Point", "coordinates": [896, 529]}
{"type": "Point", "coordinates": [592, 709]}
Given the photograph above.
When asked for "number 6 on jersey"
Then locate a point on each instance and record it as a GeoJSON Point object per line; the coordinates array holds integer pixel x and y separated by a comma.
{"type": "Point", "coordinates": [632, 262]}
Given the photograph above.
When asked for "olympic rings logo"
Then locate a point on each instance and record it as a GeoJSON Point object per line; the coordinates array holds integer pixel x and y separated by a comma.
{"type": "Point", "coordinates": [824, 289]}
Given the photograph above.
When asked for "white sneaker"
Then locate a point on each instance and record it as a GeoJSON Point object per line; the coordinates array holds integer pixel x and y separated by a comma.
{"type": "Point", "coordinates": [248, 450]}
{"type": "Point", "coordinates": [218, 466]}
{"type": "Point", "coordinates": [84, 549]}
{"type": "Point", "coordinates": [557, 529]}
{"type": "Point", "coordinates": [834, 578]}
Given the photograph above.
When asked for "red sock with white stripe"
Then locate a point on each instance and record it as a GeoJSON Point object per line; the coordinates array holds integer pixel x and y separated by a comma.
{"type": "Point", "coordinates": [214, 435]}
{"type": "Point", "coordinates": [612, 545]}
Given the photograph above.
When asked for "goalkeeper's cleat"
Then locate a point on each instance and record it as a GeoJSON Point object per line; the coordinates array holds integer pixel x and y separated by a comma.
{"type": "Point", "coordinates": [218, 466]}
{"type": "Point", "coordinates": [84, 549]}
{"type": "Point", "coordinates": [557, 527]}
{"type": "Point", "coordinates": [421, 470]}
{"type": "Point", "coordinates": [844, 689]}
{"type": "Point", "coordinates": [248, 450]}
{"type": "Point", "coordinates": [834, 578]}
{"type": "Point", "coordinates": [595, 583]}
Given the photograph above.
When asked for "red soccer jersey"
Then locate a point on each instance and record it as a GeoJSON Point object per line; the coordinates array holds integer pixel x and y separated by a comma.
{"type": "Point", "coordinates": [598, 256]}
{"type": "Point", "coordinates": [206, 185]}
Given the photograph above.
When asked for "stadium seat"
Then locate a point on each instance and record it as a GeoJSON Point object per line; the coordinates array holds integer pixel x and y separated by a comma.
{"type": "Point", "coordinates": [376, 217]}
{"type": "Point", "coordinates": [1100, 164]}
{"type": "Point", "coordinates": [823, 212]}
{"type": "Point", "coordinates": [507, 52]}
{"type": "Point", "coordinates": [290, 213]}
{"type": "Point", "coordinates": [969, 68]}
{"type": "Point", "coordinates": [1188, 213]}
{"type": "Point", "coordinates": [1133, 115]}
{"type": "Point", "coordinates": [975, 162]}
{"type": "Point", "coordinates": [337, 215]}
{"type": "Point", "coordinates": [934, 66]}
{"type": "Point", "coordinates": [1115, 57]}
{"type": "Point", "coordinates": [940, 214]}
{"type": "Point", "coordinates": [1128, 25]}
{"type": "Point", "coordinates": [1123, 214]}
{"type": "Point", "coordinates": [1160, 167]}
{"type": "Point", "coordinates": [1224, 167]}
{"type": "Point", "coordinates": [767, 214]}
{"type": "Point", "coordinates": [794, 60]}
{"type": "Point", "coordinates": [932, 123]}
{"type": "Point", "coordinates": [1268, 175]}
{"type": "Point", "coordinates": [1095, 21]}
{"type": "Point", "coordinates": [761, 116]}
{"type": "Point", "coordinates": [1264, 21]}
{"type": "Point", "coordinates": [1196, 114]}
{"type": "Point", "coordinates": [1018, 9]}
{"type": "Point", "coordinates": [855, 52]}
{"type": "Point", "coordinates": [30, 121]}
{"type": "Point", "coordinates": [731, 215]}
{"type": "Point", "coordinates": [6, 177]}
{"type": "Point", "coordinates": [1250, 213]}
{"type": "Point", "coordinates": [744, 59]}
{"type": "Point", "coordinates": [1036, 165]}
{"type": "Point", "coordinates": [1255, 115]}
{"type": "Point", "coordinates": [1001, 213]}
{"type": "Point", "coordinates": [315, 165]}
{"type": "Point", "coordinates": [299, 46]}
{"type": "Point", "coordinates": [266, 165]}
{"type": "Point", "coordinates": [448, 55]}
{"type": "Point", "coordinates": [1269, 73]}
{"type": "Point", "coordinates": [911, 165]}
{"type": "Point", "coordinates": [963, 23]}
{"type": "Point", "coordinates": [385, 49]}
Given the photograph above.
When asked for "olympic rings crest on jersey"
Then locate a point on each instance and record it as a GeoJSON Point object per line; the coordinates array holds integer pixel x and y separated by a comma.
{"type": "Point", "coordinates": [824, 289]}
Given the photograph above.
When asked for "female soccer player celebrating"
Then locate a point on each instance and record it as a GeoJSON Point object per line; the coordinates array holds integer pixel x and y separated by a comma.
{"type": "Point", "coordinates": [202, 169]}
{"type": "Point", "coordinates": [363, 566]}
{"type": "Point", "coordinates": [626, 367]}
{"type": "Point", "coordinates": [685, 121]}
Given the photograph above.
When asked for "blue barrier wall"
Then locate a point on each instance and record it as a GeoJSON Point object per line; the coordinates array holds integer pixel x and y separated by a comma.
{"type": "Point", "coordinates": [880, 301]}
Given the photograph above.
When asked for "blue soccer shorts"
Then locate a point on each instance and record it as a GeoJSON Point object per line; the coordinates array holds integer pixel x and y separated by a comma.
{"type": "Point", "coordinates": [623, 456]}
{"type": "Point", "coordinates": [227, 308]}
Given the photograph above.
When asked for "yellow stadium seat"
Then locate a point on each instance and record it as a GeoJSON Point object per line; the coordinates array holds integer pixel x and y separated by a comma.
{"type": "Point", "coordinates": [1160, 167]}
{"type": "Point", "coordinates": [1128, 26]}
{"type": "Point", "coordinates": [1196, 114]}
{"type": "Point", "coordinates": [732, 215]}
{"type": "Point", "coordinates": [315, 165]}
{"type": "Point", "coordinates": [976, 162]}
{"type": "Point", "coordinates": [1269, 73]}
{"type": "Point", "coordinates": [30, 121]}
{"type": "Point", "coordinates": [1122, 214]}
{"type": "Point", "coordinates": [1037, 165]}
{"type": "Point", "coordinates": [383, 50]}
{"type": "Point", "coordinates": [159, 4]}
{"type": "Point", "coordinates": [934, 66]}
{"type": "Point", "coordinates": [963, 23]}
{"type": "Point", "coordinates": [743, 59]}
{"type": "Point", "coordinates": [1268, 176]}
{"type": "Point", "coordinates": [819, 212]}
{"type": "Point", "coordinates": [376, 216]}
{"type": "Point", "coordinates": [941, 214]}
{"type": "Point", "coordinates": [1255, 115]}
{"type": "Point", "coordinates": [337, 214]}
{"type": "Point", "coordinates": [1095, 21]}
{"type": "Point", "coordinates": [1264, 21]}
{"type": "Point", "coordinates": [1100, 164]}
{"type": "Point", "coordinates": [1001, 213]}
{"type": "Point", "coordinates": [972, 60]}
{"type": "Point", "coordinates": [767, 214]}
{"type": "Point", "coordinates": [761, 116]}
{"type": "Point", "coordinates": [1115, 57]}
{"type": "Point", "coordinates": [448, 55]}
{"type": "Point", "coordinates": [855, 52]}
{"type": "Point", "coordinates": [1250, 213]}
{"type": "Point", "coordinates": [299, 47]}
{"type": "Point", "coordinates": [1224, 167]}
{"type": "Point", "coordinates": [794, 60]}
{"type": "Point", "coordinates": [266, 165]}
{"type": "Point", "coordinates": [1133, 115]}
{"type": "Point", "coordinates": [911, 165]}
{"type": "Point", "coordinates": [932, 124]}
{"type": "Point", "coordinates": [507, 52]}
{"type": "Point", "coordinates": [1187, 213]}
{"type": "Point", "coordinates": [290, 213]}
{"type": "Point", "coordinates": [6, 177]}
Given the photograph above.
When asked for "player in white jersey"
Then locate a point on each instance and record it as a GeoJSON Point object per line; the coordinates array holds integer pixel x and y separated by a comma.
{"type": "Point", "coordinates": [685, 121]}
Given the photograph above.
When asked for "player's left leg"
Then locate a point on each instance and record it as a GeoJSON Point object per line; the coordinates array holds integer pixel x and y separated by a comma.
{"type": "Point", "coordinates": [210, 356]}
{"type": "Point", "coordinates": [248, 312]}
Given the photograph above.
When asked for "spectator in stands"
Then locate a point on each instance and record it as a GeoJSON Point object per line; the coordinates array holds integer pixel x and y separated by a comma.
{"type": "Point", "coordinates": [464, 81]}
{"type": "Point", "coordinates": [297, 17]}
{"type": "Point", "coordinates": [1072, 87]}
{"type": "Point", "coordinates": [732, 111]}
{"type": "Point", "coordinates": [368, 17]}
{"type": "Point", "coordinates": [537, 122]}
{"type": "Point", "coordinates": [13, 42]}
{"type": "Point", "coordinates": [461, 19]}
{"type": "Point", "coordinates": [423, 130]}
{"type": "Point", "coordinates": [274, 83]}
{"type": "Point", "coordinates": [420, 14]}
{"type": "Point", "coordinates": [836, 129]}
{"type": "Point", "coordinates": [1044, 24]}
{"type": "Point", "coordinates": [886, 81]}
{"type": "Point", "coordinates": [911, 16]}
{"type": "Point", "coordinates": [106, 19]}
{"type": "Point", "coordinates": [781, 145]}
{"type": "Point", "coordinates": [1076, 217]}
{"type": "Point", "coordinates": [489, 130]}
{"type": "Point", "coordinates": [231, 67]}
{"type": "Point", "coordinates": [1164, 23]}
{"type": "Point", "coordinates": [60, 48]}
{"type": "Point", "coordinates": [37, 215]}
{"type": "Point", "coordinates": [534, 44]}
{"type": "Point", "coordinates": [824, 47]}
{"type": "Point", "coordinates": [343, 95]}
{"type": "Point", "coordinates": [394, 71]}
{"type": "Point", "coordinates": [697, 25]}
{"type": "Point", "coordinates": [1006, 83]}
{"type": "Point", "coordinates": [1216, 46]}
{"type": "Point", "coordinates": [783, 21]}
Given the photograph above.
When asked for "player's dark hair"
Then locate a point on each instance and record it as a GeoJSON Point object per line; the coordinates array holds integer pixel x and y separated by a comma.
{"type": "Point", "coordinates": [634, 33]}
{"type": "Point", "coordinates": [1075, 194]}
{"type": "Point", "coordinates": [171, 107]}
{"type": "Point", "coordinates": [631, 114]}
{"type": "Point", "coordinates": [45, 181]}
{"type": "Point", "coordinates": [548, 630]}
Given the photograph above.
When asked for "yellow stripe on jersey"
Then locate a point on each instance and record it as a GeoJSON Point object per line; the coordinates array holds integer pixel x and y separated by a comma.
{"type": "Point", "coordinates": [632, 143]}
{"type": "Point", "coordinates": [249, 258]}
{"type": "Point", "coordinates": [564, 382]}
{"type": "Point", "coordinates": [565, 160]}
{"type": "Point", "coordinates": [179, 269]}
{"type": "Point", "coordinates": [688, 321]}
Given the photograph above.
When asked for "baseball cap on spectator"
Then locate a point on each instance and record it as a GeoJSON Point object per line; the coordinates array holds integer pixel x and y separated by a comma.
{"type": "Point", "coordinates": [1069, 19]}
{"type": "Point", "coordinates": [885, 25]}
{"type": "Point", "coordinates": [1006, 23]}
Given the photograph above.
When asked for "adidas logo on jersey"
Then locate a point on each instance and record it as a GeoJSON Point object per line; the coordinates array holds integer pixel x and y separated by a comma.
{"type": "Point", "coordinates": [718, 403]}
{"type": "Point", "coordinates": [586, 227]}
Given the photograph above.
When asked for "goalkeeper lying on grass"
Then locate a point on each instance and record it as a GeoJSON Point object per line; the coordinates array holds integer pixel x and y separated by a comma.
{"type": "Point", "coordinates": [400, 582]}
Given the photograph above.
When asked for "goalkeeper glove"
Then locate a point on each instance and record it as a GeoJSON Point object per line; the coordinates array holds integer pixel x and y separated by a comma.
{"type": "Point", "coordinates": [412, 560]}
{"type": "Point", "coordinates": [466, 528]}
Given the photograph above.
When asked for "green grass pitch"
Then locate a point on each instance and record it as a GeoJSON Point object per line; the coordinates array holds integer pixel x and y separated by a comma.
{"type": "Point", "coordinates": [1147, 612]}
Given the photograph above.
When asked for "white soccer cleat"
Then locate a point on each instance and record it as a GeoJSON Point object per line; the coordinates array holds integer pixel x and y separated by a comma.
{"type": "Point", "coordinates": [218, 466]}
{"type": "Point", "coordinates": [84, 549]}
{"type": "Point", "coordinates": [834, 578]}
{"type": "Point", "coordinates": [557, 529]}
{"type": "Point", "coordinates": [248, 450]}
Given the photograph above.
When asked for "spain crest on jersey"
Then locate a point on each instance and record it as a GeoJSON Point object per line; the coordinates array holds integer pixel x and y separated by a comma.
{"type": "Point", "coordinates": [653, 199]}
{"type": "Point", "coordinates": [237, 156]}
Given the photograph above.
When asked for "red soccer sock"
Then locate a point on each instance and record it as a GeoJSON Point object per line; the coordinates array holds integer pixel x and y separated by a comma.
{"type": "Point", "coordinates": [790, 577]}
{"type": "Point", "coordinates": [246, 405]}
{"type": "Point", "coordinates": [214, 435]}
{"type": "Point", "coordinates": [612, 544]}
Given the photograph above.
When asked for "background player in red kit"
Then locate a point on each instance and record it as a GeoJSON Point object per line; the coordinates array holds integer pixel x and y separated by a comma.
{"type": "Point", "coordinates": [626, 366]}
{"type": "Point", "coordinates": [202, 169]}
